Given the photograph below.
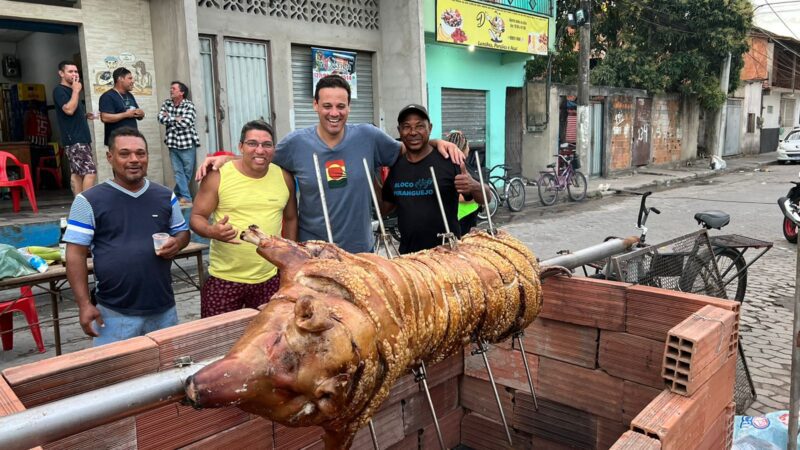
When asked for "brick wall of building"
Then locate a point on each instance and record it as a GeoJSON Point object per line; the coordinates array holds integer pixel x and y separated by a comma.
{"type": "Point", "coordinates": [622, 109]}
{"type": "Point", "coordinates": [666, 130]}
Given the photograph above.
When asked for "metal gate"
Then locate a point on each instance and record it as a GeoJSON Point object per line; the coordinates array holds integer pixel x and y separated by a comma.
{"type": "Point", "coordinates": [361, 108]}
{"type": "Point", "coordinates": [641, 132]}
{"type": "Point", "coordinates": [211, 138]}
{"type": "Point", "coordinates": [733, 127]}
{"type": "Point", "coordinates": [596, 153]}
{"type": "Point", "coordinates": [247, 84]}
{"type": "Point", "coordinates": [465, 110]}
{"type": "Point", "coordinates": [514, 117]}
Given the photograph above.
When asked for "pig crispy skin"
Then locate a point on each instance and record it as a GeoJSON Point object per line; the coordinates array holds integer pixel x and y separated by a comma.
{"type": "Point", "coordinates": [344, 327]}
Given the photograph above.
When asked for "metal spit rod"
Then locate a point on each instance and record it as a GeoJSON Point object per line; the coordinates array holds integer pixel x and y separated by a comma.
{"type": "Point", "coordinates": [322, 199]}
{"type": "Point", "coordinates": [330, 240]}
{"type": "Point", "coordinates": [447, 237]}
{"type": "Point", "coordinates": [421, 375]}
{"type": "Point", "coordinates": [485, 197]}
{"type": "Point", "coordinates": [385, 239]}
{"type": "Point", "coordinates": [482, 349]}
{"type": "Point", "coordinates": [527, 369]}
{"type": "Point", "coordinates": [56, 420]}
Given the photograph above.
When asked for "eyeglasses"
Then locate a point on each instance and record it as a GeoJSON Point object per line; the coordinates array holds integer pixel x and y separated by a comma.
{"type": "Point", "coordinates": [252, 145]}
{"type": "Point", "coordinates": [419, 128]}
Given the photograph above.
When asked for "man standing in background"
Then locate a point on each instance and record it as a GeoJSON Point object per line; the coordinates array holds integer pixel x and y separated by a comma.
{"type": "Point", "coordinates": [75, 136]}
{"type": "Point", "coordinates": [118, 107]}
{"type": "Point", "coordinates": [178, 114]}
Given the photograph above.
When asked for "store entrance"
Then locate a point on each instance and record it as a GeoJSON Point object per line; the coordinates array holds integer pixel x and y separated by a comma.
{"type": "Point", "coordinates": [29, 57]}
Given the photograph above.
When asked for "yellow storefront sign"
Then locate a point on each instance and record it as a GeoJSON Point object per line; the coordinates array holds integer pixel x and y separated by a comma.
{"type": "Point", "coordinates": [470, 23]}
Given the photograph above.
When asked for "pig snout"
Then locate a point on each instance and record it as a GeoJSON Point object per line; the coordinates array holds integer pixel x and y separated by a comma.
{"type": "Point", "coordinates": [222, 383]}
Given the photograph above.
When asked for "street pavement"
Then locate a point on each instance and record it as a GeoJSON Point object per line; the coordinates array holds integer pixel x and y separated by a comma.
{"type": "Point", "coordinates": [748, 191]}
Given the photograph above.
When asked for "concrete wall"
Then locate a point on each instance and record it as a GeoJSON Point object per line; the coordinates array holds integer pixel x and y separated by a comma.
{"type": "Point", "coordinates": [690, 128]}
{"type": "Point", "coordinates": [539, 145]}
{"type": "Point", "coordinates": [750, 141]}
{"type": "Point", "coordinates": [39, 55]}
{"type": "Point", "coordinates": [771, 117]}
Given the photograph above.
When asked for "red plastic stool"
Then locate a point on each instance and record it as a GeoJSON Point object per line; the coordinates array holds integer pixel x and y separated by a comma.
{"type": "Point", "coordinates": [26, 305]}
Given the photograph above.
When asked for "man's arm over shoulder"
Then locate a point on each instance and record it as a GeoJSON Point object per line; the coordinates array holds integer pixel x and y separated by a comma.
{"type": "Point", "coordinates": [284, 151]}
{"type": "Point", "coordinates": [387, 149]}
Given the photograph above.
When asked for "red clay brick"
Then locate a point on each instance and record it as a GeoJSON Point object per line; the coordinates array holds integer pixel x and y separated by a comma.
{"type": "Point", "coordinates": [450, 424]}
{"type": "Point", "coordinates": [589, 390]}
{"type": "Point", "coordinates": [175, 425]}
{"type": "Point", "coordinates": [675, 420]}
{"type": "Point", "coordinates": [608, 432]}
{"type": "Point", "coordinates": [698, 347]}
{"type": "Point", "coordinates": [507, 367]}
{"type": "Point", "coordinates": [451, 367]}
{"type": "Point", "coordinates": [410, 442]}
{"type": "Point", "coordinates": [286, 438]}
{"type": "Point", "coordinates": [479, 432]}
{"type": "Point", "coordinates": [388, 428]}
{"type": "Point", "coordinates": [635, 397]}
{"type": "Point", "coordinates": [9, 403]}
{"type": "Point", "coordinates": [554, 422]}
{"type": "Point", "coordinates": [719, 433]}
{"type": "Point", "coordinates": [253, 434]}
{"type": "Point", "coordinates": [201, 339]}
{"type": "Point", "coordinates": [563, 341]}
{"type": "Point", "coordinates": [404, 388]}
{"type": "Point", "coordinates": [477, 396]}
{"type": "Point", "coordinates": [717, 392]}
{"type": "Point", "coordinates": [632, 358]}
{"type": "Point", "coordinates": [416, 411]}
{"type": "Point", "coordinates": [540, 443]}
{"type": "Point", "coordinates": [632, 440]}
{"type": "Point", "coordinates": [85, 370]}
{"type": "Point", "coordinates": [117, 435]}
{"type": "Point", "coordinates": [585, 301]}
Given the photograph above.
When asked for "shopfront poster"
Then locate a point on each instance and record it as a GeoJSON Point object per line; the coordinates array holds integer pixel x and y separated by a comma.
{"type": "Point", "coordinates": [327, 62]}
{"type": "Point", "coordinates": [470, 23]}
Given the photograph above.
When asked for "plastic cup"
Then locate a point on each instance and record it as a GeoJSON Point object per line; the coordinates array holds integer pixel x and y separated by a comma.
{"type": "Point", "coordinates": [159, 239]}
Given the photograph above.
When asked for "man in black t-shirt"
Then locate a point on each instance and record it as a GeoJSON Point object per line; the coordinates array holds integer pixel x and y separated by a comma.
{"type": "Point", "coordinates": [118, 107]}
{"type": "Point", "coordinates": [75, 136]}
{"type": "Point", "coordinates": [409, 186]}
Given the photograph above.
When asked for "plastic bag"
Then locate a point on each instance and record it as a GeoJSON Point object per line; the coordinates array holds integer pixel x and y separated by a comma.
{"type": "Point", "coordinates": [12, 263]}
{"type": "Point", "coordinates": [761, 433]}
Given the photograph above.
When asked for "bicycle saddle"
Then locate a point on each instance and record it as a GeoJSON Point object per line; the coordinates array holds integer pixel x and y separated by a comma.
{"type": "Point", "coordinates": [713, 219]}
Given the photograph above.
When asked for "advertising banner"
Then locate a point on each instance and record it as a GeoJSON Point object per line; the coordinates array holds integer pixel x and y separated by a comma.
{"type": "Point", "coordinates": [470, 23]}
{"type": "Point", "coordinates": [326, 62]}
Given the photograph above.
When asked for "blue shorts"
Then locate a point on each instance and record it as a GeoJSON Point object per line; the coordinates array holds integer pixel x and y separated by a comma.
{"type": "Point", "coordinates": [119, 327]}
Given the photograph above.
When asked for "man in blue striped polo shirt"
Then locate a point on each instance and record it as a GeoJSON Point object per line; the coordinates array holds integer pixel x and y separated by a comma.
{"type": "Point", "coordinates": [115, 221]}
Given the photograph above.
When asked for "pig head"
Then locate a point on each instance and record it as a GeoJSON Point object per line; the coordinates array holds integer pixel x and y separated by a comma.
{"type": "Point", "coordinates": [308, 358]}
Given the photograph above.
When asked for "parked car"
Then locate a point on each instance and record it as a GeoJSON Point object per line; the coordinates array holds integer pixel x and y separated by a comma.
{"type": "Point", "coordinates": [789, 147]}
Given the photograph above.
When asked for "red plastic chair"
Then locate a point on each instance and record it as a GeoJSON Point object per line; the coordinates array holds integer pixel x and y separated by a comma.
{"type": "Point", "coordinates": [27, 306]}
{"type": "Point", "coordinates": [51, 165]}
{"type": "Point", "coordinates": [26, 182]}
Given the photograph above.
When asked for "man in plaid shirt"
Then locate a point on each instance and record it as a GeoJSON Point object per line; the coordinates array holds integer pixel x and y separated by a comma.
{"type": "Point", "coordinates": [178, 114]}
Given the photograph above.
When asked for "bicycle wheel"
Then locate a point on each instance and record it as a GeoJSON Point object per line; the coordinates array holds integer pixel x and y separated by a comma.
{"type": "Point", "coordinates": [576, 188]}
{"type": "Point", "coordinates": [494, 201]}
{"type": "Point", "coordinates": [698, 277]}
{"type": "Point", "coordinates": [789, 230]}
{"type": "Point", "coordinates": [515, 194]}
{"type": "Point", "coordinates": [548, 189]}
{"type": "Point", "coordinates": [731, 266]}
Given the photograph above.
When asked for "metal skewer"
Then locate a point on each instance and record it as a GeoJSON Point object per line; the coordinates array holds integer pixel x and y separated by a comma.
{"type": "Point", "coordinates": [485, 197]}
{"type": "Point", "coordinates": [421, 375]}
{"type": "Point", "coordinates": [385, 240]}
{"type": "Point", "coordinates": [330, 240]}
{"type": "Point", "coordinates": [482, 349]}
{"type": "Point", "coordinates": [447, 237]}
{"type": "Point", "coordinates": [322, 199]}
{"type": "Point", "coordinates": [518, 336]}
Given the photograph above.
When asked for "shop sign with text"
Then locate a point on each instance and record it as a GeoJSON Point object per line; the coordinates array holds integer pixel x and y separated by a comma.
{"type": "Point", "coordinates": [327, 62]}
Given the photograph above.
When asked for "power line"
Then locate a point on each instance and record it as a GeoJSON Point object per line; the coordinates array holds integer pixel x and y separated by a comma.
{"type": "Point", "coordinates": [781, 19]}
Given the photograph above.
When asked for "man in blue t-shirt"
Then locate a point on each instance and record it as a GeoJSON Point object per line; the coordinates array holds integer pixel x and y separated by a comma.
{"type": "Point", "coordinates": [409, 187]}
{"type": "Point", "coordinates": [75, 136]}
{"type": "Point", "coordinates": [118, 107]}
{"type": "Point", "coordinates": [115, 221]}
{"type": "Point", "coordinates": [341, 149]}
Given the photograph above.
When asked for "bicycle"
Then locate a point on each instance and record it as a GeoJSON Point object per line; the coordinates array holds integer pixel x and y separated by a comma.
{"type": "Point", "coordinates": [563, 175]}
{"type": "Point", "coordinates": [512, 191]}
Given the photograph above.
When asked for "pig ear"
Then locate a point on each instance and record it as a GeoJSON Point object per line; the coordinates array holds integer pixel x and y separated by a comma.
{"type": "Point", "coordinates": [312, 315]}
{"type": "Point", "coordinates": [287, 256]}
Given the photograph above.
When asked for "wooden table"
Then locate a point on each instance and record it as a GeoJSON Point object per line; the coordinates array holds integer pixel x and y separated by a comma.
{"type": "Point", "coordinates": [55, 278]}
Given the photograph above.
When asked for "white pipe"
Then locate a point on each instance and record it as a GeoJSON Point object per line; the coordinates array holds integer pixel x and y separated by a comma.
{"type": "Point", "coordinates": [322, 199]}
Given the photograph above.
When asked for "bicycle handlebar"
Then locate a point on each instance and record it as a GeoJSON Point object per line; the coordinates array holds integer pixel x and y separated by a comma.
{"type": "Point", "coordinates": [643, 211]}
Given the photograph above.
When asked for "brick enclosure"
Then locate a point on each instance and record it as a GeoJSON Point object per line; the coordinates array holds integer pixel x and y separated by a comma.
{"type": "Point", "coordinates": [598, 355]}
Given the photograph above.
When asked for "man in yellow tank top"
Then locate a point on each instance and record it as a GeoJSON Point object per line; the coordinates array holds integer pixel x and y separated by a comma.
{"type": "Point", "coordinates": [251, 190]}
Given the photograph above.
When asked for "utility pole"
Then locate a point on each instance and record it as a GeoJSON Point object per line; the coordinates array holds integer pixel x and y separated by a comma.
{"type": "Point", "coordinates": [584, 122]}
{"type": "Point", "coordinates": [725, 76]}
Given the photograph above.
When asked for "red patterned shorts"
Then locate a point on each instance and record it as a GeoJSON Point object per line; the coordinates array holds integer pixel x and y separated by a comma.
{"type": "Point", "coordinates": [220, 296]}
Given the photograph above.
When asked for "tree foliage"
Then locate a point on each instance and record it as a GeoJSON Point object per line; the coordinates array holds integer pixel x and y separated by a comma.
{"type": "Point", "coordinates": [660, 45]}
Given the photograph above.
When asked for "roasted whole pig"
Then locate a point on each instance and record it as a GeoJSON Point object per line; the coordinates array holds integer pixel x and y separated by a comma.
{"type": "Point", "coordinates": [344, 327]}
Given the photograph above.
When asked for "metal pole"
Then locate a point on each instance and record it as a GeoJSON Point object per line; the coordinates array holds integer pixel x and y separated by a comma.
{"type": "Point", "coordinates": [56, 420]}
{"type": "Point", "coordinates": [584, 109]}
{"type": "Point", "coordinates": [482, 349]}
{"type": "Point", "coordinates": [385, 238]}
{"type": "Point", "coordinates": [794, 392]}
{"type": "Point", "coordinates": [527, 369]}
{"type": "Point", "coordinates": [374, 435]}
{"type": "Point", "coordinates": [485, 197]}
{"type": "Point", "coordinates": [594, 253]}
{"type": "Point", "coordinates": [322, 199]}
{"type": "Point", "coordinates": [422, 377]}
{"type": "Point", "coordinates": [448, 237]}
